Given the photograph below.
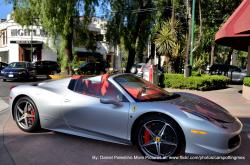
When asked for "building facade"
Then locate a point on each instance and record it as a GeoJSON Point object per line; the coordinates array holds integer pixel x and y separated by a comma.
{"type": "Point", "coordinates": [32, 43]}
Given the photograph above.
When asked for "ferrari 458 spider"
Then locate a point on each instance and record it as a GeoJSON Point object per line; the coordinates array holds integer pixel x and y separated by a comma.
{"type": "Point", "coordinates": [123, 108]}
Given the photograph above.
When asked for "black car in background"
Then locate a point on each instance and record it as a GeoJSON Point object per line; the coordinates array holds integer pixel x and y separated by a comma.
{"type": "Point", "coordinates": [19, 70]}
{"type": "Point", "coordinates": [47, 67]}
{"type": "Point", "coordinates": [2, 66]}
{"type": "Point", "coordinates": [91, 68]}
{"type": "Point", "coordinates": [233, 72]}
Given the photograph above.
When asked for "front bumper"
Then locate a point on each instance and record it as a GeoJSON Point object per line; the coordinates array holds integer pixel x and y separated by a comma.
{"type": "Point", "coordinates": [217, 141]}
{"type": "Point", "coordinates": [15, 76]}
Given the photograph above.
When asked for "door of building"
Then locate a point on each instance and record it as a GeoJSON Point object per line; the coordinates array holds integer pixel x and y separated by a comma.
{"type": "Point", "coordinates": [26, 55]}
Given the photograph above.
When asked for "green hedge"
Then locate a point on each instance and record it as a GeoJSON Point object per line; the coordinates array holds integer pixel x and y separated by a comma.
{"type": "Point", "coordinates": [201, 82]}
{"type": "Point", "coordinates": [246, 81]}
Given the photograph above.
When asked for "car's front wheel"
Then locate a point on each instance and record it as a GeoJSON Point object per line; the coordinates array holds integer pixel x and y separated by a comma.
{"type": "Point", "coordinates": [158, 138]}
{"type": "Point", "coordinates": [26, 114]}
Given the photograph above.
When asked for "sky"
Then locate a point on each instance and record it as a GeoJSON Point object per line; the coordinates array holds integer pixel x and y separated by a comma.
{"type": "Point", "coordinates": [4, 9]}
{"type": "Point", "coordinates": [7, 8]}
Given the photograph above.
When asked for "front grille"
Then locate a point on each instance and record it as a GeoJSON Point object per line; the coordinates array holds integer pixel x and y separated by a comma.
{"type": "Point", "coordinates": [234, 142]}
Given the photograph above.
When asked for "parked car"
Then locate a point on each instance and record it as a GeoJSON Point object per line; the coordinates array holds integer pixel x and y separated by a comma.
{"type": "Point", "coordinates": [2, 66]}
{"type": "Point", "coordinates": [47, 67]}
{"type": "Point", "coordinates": [19, 70]}
{"type": "Point", "coordinates": [125, 109]}
{"type": "Point", "coordinates": [137, 69]}
{"type": "Point", "coordinates": [91, 68]}
{"type": "Point", "coordinates": [233, 72]}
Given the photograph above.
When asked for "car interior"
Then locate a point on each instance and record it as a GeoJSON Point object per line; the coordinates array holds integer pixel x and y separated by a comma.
{"type": "Point", "coordinates": [96, 87]}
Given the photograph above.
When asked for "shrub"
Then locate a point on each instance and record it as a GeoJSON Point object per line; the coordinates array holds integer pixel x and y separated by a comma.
{"type": "Point", "coordinates": [201, 82]}
{"type": "Point", "coordinates": [246, 81]}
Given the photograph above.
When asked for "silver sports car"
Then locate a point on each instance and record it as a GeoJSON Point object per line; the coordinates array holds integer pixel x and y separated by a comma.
{"type": "Point", "coordinates": [123, 108]}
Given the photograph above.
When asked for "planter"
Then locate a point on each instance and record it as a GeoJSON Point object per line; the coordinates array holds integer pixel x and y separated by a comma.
{"type": "Point", "coordinates": [246, 92]}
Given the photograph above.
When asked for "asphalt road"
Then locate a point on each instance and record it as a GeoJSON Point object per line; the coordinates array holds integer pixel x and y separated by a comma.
{"type": "Point", "coordinates": [48, 147]}
{"type": "Point", "coordinates": [6, 86]}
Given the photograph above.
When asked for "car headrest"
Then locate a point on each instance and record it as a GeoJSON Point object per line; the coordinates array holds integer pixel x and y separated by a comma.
{"type": "Point", "coordinates": [105, 78]}
{"type": "Point", "coordinates": [87, 83]}
{"type": "Point", "coordinates": [105, 84]}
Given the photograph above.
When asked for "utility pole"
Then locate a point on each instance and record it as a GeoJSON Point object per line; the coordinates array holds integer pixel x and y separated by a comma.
{"type": "Point", "coordinates": [187, 71]}
{"type": "Point", "coordinates": [192, 33]}
{"type": "Point", "coordinates": [31, 46]}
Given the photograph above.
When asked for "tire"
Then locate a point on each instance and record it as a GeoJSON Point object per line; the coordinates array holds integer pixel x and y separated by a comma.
{"type": "Point", "coordinates": [158, 138]}
{"type": "Point", "coordinates": [4, 80]}
{"type": "Point", "coordinates": [53, 72]}
{"type": "Point", "coordinates": [26, 115]}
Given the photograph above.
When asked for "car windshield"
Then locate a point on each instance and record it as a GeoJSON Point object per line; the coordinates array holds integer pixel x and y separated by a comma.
{"type": "Point", "coordinates": [17, 65]}
{"type": "Point", "coordinates": [142, 90]}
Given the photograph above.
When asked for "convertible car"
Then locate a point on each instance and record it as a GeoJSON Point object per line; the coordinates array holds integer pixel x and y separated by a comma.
{"type": "Point", "coordinates": [126, 109]}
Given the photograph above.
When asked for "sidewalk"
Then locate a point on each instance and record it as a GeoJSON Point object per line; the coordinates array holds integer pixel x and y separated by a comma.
{"type": "Point", "coordinates": [3, 105]}
{"type": "Point", "coordinates": [229, 98]}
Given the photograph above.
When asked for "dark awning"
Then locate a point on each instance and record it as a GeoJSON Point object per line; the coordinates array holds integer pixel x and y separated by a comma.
{"type": "Point", "coordinates": [235, 32]}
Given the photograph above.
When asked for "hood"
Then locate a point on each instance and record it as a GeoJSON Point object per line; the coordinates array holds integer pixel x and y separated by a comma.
{"type": "Point", "coordinates": [14, 69]}
{"type": "Point", "coordinates": [199, 105]}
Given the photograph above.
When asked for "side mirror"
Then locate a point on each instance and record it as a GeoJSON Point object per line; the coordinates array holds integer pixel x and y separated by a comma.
{"type": "Point", "coordinates": [108, 100]}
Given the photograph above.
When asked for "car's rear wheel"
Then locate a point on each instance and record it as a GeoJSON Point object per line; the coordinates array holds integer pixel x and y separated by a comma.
{"type": "Point", "coordinates": [158, 138]}
{"type": "Point", "coordinates": [26, 114]}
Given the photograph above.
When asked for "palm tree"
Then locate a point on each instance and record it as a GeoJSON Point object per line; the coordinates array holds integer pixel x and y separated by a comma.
{"type": "Point", "coordinates": [166, 39]}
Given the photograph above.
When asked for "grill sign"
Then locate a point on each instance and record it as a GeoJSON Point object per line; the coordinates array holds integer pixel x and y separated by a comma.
{"type": "Point", "coordinates": [27, 32]}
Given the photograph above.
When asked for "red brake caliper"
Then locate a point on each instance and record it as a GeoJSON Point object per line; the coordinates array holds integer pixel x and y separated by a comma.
{"type": "Point", "coordinates": [146, 137]}
{"type": "Point", "coordinates": [33, 114]}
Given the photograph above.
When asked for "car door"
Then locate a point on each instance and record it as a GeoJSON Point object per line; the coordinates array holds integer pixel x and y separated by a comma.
{"type": "Point", "coordinates": [31, 69]}
{"type": "Point", "coordinates": [39, 67]}
{"type": "Point", "coordinates": [86, 113]}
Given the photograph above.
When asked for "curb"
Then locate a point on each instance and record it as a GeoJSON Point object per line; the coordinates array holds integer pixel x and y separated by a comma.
{"type": "Point", "coordinates": [3, 105]}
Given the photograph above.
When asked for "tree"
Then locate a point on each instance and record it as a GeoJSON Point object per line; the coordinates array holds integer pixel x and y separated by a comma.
{"type": "Point", "coordinates": [57, 17]}
{"type": "Point", "coordinates": [131, 21]}
{"type": "Point", "coordinates": [210, 15]}
{"type": "Point", "coordinates": [166, 39]}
